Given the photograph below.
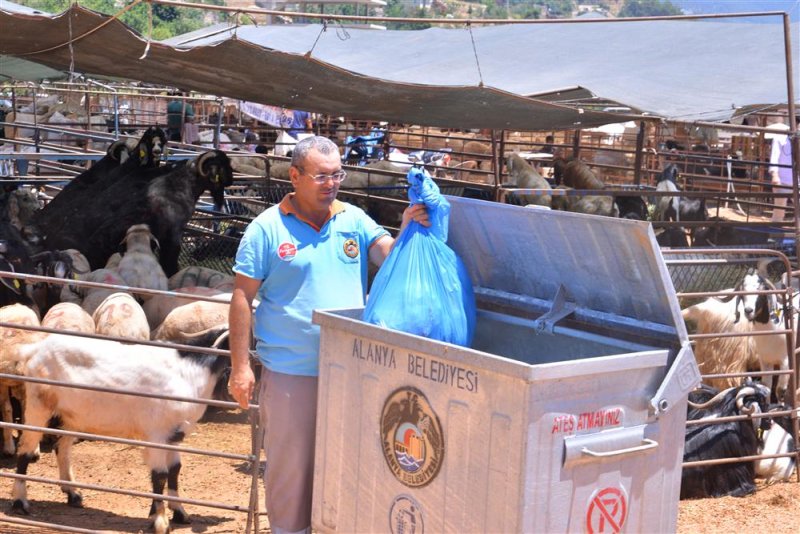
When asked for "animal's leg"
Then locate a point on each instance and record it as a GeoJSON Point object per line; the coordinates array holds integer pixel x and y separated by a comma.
{"type": "Point", "coordinates": [156, 459]}
{"type": "Point", "coordinates": [8, 416]}
{"type": "Point", "coordinates": [179, 515]}
{"type": "Point", "coordinates": [35, 415]}
{"type": "Point", "coordinates": [64, 459]}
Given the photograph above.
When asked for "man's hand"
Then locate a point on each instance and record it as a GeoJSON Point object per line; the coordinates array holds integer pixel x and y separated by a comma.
{"type": "Point", "coordinates": [415, 212]}
{"type": "Point", "coordinates": [241, 384]}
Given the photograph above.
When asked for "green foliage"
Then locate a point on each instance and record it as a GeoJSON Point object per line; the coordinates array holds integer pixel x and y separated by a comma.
{"type": "Point", "coordinates": [168, 21]}
{"type": "Point", "coordinates": [648, 8]}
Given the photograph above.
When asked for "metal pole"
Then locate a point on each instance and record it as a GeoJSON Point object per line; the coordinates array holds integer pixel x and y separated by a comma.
{"type": "Point", "coordinates": [495, 166]}
{"type": "Point", "coordinates": [637, 165]}
{"type": "Point", "coordinates": [218, 129]}
{"type": "Point", "coordinates": [576, 144]}
{"type": "Point", "coordinates": [795, 143]}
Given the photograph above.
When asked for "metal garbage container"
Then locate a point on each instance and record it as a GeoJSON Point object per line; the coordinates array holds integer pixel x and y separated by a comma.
{"type": "Point", "coordinates": [566, 415]}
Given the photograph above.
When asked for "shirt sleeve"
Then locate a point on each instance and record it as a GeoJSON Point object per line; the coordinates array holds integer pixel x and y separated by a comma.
{"type": "Point", "coordinates": [251, 257]}
{"type": "Point", "coordinates": [372, 230]}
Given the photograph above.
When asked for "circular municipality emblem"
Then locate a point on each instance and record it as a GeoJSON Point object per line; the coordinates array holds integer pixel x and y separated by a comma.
{"type": "Point", "coordinates": [412, 439]}
{"type": "Point", "coordinates": [405, 516]}
{"type": "Point", "coordinates": [287, 251]}
{"type": "Point", "coordinates": [351, 248]}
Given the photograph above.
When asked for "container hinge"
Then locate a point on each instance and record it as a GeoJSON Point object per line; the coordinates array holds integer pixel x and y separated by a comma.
{"type": "Point", "coordinates": [682, 377]}
{"type": "Point", "coordinates": [559, 309]}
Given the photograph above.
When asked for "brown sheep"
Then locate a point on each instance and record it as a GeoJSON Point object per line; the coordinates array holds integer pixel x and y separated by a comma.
{"type": "Point", "coordinates": [523, 176]}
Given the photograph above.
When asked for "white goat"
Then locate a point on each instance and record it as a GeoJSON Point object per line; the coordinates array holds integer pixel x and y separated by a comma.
{"type": "Point", "coordinates": [130, 367]}
{"type": "Point", "coordinates": [721, 355]}
{"type": "Point", "coordinates": [121, 316]}
{"type": "Point", "coordinates": [764, 315]}
{"type": "Point", "coordinates": [139, 266]}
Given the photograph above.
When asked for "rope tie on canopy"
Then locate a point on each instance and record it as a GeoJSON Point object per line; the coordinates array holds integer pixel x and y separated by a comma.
{"type": "Point", "coordinates": [149, 29]}
{"type": "Point", "coordinates": [475, 52]}
{"type": "Point", "coordinates": [85, 34]}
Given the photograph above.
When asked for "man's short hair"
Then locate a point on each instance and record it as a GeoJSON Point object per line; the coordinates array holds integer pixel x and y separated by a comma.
{"type": "Point", "coordinates": [323, 145]}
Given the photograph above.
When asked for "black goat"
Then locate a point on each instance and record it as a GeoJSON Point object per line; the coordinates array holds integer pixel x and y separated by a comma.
{"type": "Point", "coordinates": [631, 207]}
{"type": "Point", "coordinates": [118, 162]}
{"type": "Point", "coordinates": [163, 198]}
{"type": "Point", "coordinates": [723, 440]}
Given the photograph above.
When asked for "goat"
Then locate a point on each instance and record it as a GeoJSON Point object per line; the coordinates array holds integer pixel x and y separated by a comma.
{"type": "Point", "coordinates": [133, 368]}
{"type": "Point", "coordinates": [139, 265]}
{"type": "Point", "coordinates": [776, 439]}
{"type": "Point", "coordinates": [117, 162]}
{"type": "Point", "coordinates": [164, 199]}
{"type": "Point", "coordinates": [55, 264]}
{"type": "Point", "coordinates": [575, 174]}
{"type": "Point", "coordinates": [764, 315]}
{"type": "Point", "coordinates": [722, 440]}
{"type": "Point", "coordinates": [631, 207]}
{"type": "Point", "coordinates": [677, 208]}
{"type": "Point", "coordinates": [522, 175]}
{"type": "Point", "coordinates": [15, 256]}
{"type": "Point", "coordinates": [721, 355]}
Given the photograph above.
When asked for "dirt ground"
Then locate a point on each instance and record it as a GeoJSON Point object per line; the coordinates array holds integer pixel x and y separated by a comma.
{"type": "Point", "coordinates": [776, 507]}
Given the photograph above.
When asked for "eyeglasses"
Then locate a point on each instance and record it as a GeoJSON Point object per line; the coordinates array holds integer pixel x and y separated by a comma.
{"type": "Point", "coordinates": [337, 177]}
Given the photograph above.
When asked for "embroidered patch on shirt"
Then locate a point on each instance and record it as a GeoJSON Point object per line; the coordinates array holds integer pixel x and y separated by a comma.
{"type": "Point", "coordinates": [351, 248]}
{"type": "Point", "coordinates": [287, 251]}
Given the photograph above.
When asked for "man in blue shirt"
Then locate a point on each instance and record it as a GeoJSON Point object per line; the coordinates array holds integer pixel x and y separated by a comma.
{"type": "Point", "coordinates": [309, 252]}
{"type": "Point", "coordinates": [301, 123]}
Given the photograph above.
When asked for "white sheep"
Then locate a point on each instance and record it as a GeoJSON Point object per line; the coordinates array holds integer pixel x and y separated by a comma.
{"type": "Point", "coordinates": [121, 316]}
{"type": "Point", "coordinates": [139, 266]}
{"type": "Point", "coordinates": [190, 319]}
{"type": "Point", "coordinates": [721, 355]}
{"type": "Point", "coordinates": [91, 297]}
{"type": "Point", "coordinates": [103, 363]}
{"type": "Point", "coordinates": [69, 316]}
{"type": "Point", "coordinates": [157, 308]}
{"type": "Point", "coordinates": [200, 276]}
{"type": "Point", "coordinates": [10, 338]}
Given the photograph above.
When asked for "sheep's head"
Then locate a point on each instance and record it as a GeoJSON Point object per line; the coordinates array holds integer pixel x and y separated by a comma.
{"type": "Point", "coordinates": [138, 238]}
{"type": "Point", "coordinates": [118, 151]}
{"type": "Point", "coordinates": [214, 168]}
{"type": "Point", "coordinates": [151, 146]}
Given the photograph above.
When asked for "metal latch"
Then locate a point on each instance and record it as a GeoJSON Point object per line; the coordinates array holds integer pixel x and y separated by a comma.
{"type": "Point", "coordinates": [560, 309]}
{"type": "Point", "coordinates": [681, 378]}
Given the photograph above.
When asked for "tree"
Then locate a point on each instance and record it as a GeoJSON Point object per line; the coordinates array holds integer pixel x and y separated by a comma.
{"type": "Point", "coordinates": [648, 8]}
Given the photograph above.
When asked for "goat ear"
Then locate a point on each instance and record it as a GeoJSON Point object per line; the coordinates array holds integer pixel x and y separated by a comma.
{"type": "Point", "coordinates": [155, 246]}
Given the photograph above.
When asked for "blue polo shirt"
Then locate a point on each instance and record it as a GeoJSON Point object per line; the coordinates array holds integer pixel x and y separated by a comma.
{"type": "Point", "coordinates": [303, 268]}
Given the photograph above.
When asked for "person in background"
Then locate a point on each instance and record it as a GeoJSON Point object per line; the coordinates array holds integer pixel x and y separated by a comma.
{"type": "Point", "coordinates": [301, 123]}
{"type": "Point", "coordinates": [780, 173]}
{"type": "Point", "coordinates": [309, 252]}
{"type": "Point", "coordinates": [548, 146]}
{"type": "Point", "coordinates": [179, 111]}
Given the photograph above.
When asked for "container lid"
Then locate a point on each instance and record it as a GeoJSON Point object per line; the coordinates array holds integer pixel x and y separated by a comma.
{"type": "Point", "coordinates": [608, 265]}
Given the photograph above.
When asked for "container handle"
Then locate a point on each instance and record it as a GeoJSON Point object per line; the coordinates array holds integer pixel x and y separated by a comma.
{"type": "Point", "coordinates": [647, 444]}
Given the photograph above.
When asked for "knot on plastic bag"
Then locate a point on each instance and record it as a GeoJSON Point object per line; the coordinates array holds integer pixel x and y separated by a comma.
{"type": "Point", "coordinates": [423, 190]}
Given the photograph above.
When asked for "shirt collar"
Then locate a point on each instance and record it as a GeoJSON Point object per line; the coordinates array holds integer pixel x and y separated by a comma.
{"type": "Point", "coordinates": [287, 208]}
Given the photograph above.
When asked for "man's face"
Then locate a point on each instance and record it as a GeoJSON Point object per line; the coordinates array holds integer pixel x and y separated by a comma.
{"type": "Point", "coordinates": [307, 190]}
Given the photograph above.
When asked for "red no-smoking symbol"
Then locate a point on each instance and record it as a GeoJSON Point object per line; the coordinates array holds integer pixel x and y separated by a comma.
{"type": "Point", "coordinates": [607, 511]}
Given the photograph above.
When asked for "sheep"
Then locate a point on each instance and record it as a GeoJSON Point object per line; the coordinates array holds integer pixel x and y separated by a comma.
{"type": "Point", "coordinates": [523, 176]}
{"type": "Point", "coordinates": [120, 315]}
{"type": "Point", "coordinates": [11, 337]}
{"type": "Point", "coordinates": [69, 316]}
{"type": "Point", "coordinates": [577, 175]}
{"type": "Point", "coordinates": [157, 308]}
{"type": "Point", "coordinates": [725, 440]}
{"type": "Point", "coordinates": [362, 179]}
{"type": "Point", "coordinates": [23, 203]}
{"type": "Point", "coordinates": [721, 355]}
{"type": "Point", "coordinates": [135, 368]}
{"type": "Point", "coordinates": [200, 276]}
{"type": "Point", "coordinates": [139, 266]}
{"type": "Point", "coordinates": [91, 297]}
{"type": "Point", "coordinates": [764, 315]}
{"type": "Point", "coordinates": [191, 319]}
{"type": "Point", "coordinates": [164, 199]}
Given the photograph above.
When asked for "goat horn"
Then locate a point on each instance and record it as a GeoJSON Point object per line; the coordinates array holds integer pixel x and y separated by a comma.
{"type": "Point", "coordinates": [201, 160]}
{"type": "Point", "coordinates": [711, 402]}
{"type": "Point", "coordinates": [740, 400]}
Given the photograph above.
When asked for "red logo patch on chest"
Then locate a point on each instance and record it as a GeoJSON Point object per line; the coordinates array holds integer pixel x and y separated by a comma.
{"type": "Point", "coordinates": [287, 251]}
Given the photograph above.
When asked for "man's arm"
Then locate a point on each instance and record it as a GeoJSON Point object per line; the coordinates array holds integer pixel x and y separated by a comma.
{"type": "Point", "coordinates": [383, 246]}
{"type": "Point", "coordinates": [240, 318]}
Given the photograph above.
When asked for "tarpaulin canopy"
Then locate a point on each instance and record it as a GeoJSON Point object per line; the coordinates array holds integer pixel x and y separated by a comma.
{"type": "Point", "coordinates": [526, 77]}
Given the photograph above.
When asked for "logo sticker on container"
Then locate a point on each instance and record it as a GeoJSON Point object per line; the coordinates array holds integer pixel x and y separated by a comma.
{"type": "Point", "coordinates": [405, 516]}
{"type": "Point", "coordinates": [607, 510]}
{"type": "Point", "coordinates": [413, 443]}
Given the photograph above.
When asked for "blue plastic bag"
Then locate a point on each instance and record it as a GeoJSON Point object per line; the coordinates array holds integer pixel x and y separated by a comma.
{"type": "Point", "coordinates": [423, 287]}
